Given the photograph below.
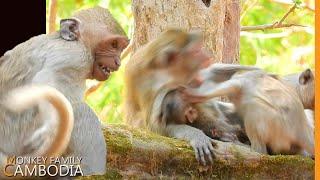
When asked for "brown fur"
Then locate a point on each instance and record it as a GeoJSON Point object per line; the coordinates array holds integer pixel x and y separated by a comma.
{"type": "Point", "coordinates": [174, 58]}
{"type": "Point", "coordinates": [273, 115]}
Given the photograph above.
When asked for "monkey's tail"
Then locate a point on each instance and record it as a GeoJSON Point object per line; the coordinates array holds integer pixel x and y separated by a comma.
{"type": "Point", "coordinates": [25, 97]}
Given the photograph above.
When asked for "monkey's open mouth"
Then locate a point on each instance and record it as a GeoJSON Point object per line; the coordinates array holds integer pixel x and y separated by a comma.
{"type": "Point", "coordinates": [101, 71]}
{"type": "Point", "coordinates": [106, 70]}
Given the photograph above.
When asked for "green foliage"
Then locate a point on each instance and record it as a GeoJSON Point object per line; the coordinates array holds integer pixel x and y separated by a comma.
{"type": "Point", "coordinates": [280, 51]}
{"type": "Point", "coordinates": [297, 2]}
{"type": "Point", "coordinates": [106, 101]}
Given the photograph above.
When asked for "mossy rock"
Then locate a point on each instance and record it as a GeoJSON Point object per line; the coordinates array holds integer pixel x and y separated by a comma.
{"type": "Point", "coordinates": [136, 154]}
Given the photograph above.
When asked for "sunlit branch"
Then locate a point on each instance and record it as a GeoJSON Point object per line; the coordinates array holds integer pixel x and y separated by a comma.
{"type": "Point", "coordinates": [278, 24]}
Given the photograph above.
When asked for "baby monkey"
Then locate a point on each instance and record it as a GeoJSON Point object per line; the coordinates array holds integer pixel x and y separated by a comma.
{"type": "Point", "coordinates": [207, 117]}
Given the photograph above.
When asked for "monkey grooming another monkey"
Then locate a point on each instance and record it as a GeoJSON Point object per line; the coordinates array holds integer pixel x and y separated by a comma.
{"type": "Point", "coordinates": [273, 116]}
{"type": "Point", "coordinates": [88, 46]}
{"type": "Point", "coordinates": [173, 58]}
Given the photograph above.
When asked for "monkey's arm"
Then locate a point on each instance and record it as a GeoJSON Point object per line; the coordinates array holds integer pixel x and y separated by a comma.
{"type": "Point", "coordinates": [222, 72]}
{"type": "Point", "coordinates": [201, 143]}
{"type": "Point", "coordinates": [226, 88]}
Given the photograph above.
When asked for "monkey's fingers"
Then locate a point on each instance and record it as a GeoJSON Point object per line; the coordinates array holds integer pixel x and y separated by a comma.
{"type": "Point", "coordinates": [208, 154]}
{"type": "Point", "coordinates": [201, 154]}
{"type": "Point", "coordinates": [196, 153]}
{"type": "Point", "coordinates": [191, 97]}
{"type": "Point", "coordinates": [196, 82]}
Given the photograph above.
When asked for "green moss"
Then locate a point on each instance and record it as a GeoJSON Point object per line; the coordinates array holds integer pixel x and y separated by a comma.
{"type": "Point", "coordinates": [119, 142]}
{"type": "Point", "coordinates": [156, 156]}
{"type": "Point", "coordinates": [110, 174]}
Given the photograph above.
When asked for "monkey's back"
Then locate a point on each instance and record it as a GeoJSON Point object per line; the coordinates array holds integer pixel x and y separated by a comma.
{"type": "Point", "coordinates": [272, 108]}
{"type": "Point", "coordinates": [18, 67]}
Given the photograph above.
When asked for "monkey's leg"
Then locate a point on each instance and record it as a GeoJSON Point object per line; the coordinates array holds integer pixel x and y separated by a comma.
{"type": "Point", "coordinates": [306, 139]}
{"type": "Point", "coordinates": [201, 143]}
{"type": "Point", "coordinates": [256, 143]}
{"type": "Point", "coordinates": [258, 146]}
{"type": "Point", "coordinates": [87, 141]}
{"type": "Point", "coordinates": [254, 133]}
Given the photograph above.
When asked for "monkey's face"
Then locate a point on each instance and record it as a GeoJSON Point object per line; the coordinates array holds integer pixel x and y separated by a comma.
{"type": "Point", "coordinates": [175, 110]}
{"type": "Point", "coordinates": [105, 47]}
{"type": "Point", "coordinates": [188, 63]}
{"type": "Point", "coordinates": [107, 56]}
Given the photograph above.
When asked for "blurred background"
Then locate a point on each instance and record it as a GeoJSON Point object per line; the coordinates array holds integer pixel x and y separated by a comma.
{"type": "Point", "coordinates": [282, 51]}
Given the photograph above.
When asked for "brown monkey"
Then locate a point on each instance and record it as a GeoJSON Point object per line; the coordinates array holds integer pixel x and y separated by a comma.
{"type": "Point", "coordinates": [304, 85]}
{"type": "Point", "coordinates": [88, 46]}
{"type": "Point", "coordinates": [173, 58]}
{"type": "Point", "coordinates": [207, 117]}
{"type": "Point", "coordinates": [273, 116]}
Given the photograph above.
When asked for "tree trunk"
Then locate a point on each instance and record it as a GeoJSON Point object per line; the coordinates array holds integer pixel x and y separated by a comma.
{"type": "Point", "coordinates": [218, 20]}
{"type": "Point", "coordinates": [137, 154]}
{"type": "Point", "coordinates": [53, 15]}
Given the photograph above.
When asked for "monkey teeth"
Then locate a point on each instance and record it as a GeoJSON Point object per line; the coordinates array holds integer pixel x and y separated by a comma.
{"type": "Point", "coordinates": [105, 70]}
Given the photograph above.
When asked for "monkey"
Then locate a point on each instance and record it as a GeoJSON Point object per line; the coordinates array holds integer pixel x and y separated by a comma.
{"type": "Point", "coordinates": [273, 116]}
{"type": "Point", "coordinates": [174, 58]}
{"type": "Point", "coordinates": [216, 118]}
{"type": "Point", "coordinates": [87, 46]}
{"type": "Point", "coordinates": [304, 85]}
{"type": "Point", "coordinates": [175, 110]}
{"type": "Point", "coordinates": [207, 117]}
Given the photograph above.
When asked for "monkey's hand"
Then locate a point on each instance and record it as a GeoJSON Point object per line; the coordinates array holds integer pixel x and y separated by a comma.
{"type": "Point", "coordinates": [190, 96]}
{"type": "Point", "coordinates": [201, 143]}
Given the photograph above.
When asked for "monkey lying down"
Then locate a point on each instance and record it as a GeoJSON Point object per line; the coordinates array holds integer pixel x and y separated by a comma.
{"type": "Point", "coordinates": [216, 119]}
{"type": "Point", "coordinates": [272, 112]}
{"type": "Point", "coordinates": [88, 46]}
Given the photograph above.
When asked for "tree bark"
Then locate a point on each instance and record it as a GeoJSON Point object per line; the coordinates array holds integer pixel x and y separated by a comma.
{"type": "Point", "coordinates": [138, 154]}
{"type": "Point", "coordinates": [218, 20]}
{"type": "Point", "coordinates": [53, 15]}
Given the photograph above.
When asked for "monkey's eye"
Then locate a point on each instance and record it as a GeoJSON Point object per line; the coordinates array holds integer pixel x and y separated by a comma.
{"type": "Point", "coordinates": [114, 44]}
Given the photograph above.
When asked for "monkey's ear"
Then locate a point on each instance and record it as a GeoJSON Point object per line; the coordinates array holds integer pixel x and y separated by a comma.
{"type": "Point", "coordinates": [169, 55]}
{"type": "Point", "coordinates": [69, 29]}
{"type": "Point", "coordinates": [306, 76]}
{"type": "Point", "coordinates": [165, 57]}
